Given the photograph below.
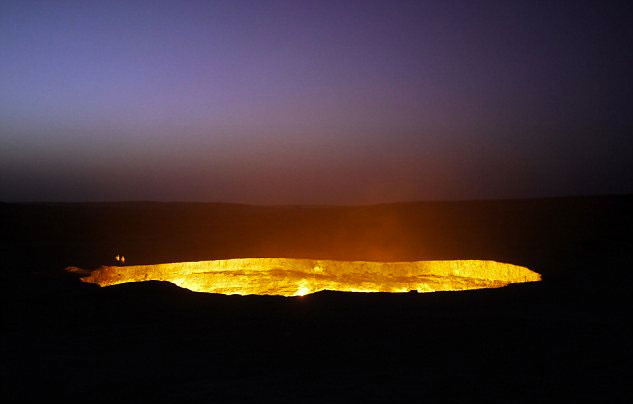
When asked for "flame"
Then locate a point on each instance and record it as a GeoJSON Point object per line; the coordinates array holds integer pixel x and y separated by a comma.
{"type": "Point", "coordinates": [299, 277]}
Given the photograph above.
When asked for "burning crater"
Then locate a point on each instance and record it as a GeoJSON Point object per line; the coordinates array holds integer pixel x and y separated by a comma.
{"type": "Point", "coordinates": [298, 277]}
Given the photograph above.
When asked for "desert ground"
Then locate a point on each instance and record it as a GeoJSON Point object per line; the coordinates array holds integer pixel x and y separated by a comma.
{"type": "Point", "coordinates": [562, 339]}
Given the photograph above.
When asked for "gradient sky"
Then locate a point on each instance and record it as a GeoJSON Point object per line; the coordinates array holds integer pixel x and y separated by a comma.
{"type": "Point", "coordinates": [309, 102]}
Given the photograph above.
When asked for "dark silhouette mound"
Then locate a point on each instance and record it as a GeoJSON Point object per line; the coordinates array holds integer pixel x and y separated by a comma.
{"type": "Point", "coordinates": [563, 339]}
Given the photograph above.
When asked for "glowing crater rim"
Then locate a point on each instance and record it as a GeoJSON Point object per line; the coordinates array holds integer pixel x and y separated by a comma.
{"type": "Point", "coordinates": [299, 277]}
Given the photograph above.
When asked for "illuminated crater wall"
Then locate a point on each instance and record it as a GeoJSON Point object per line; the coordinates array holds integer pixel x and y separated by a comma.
{"type": "Point", "coordinates": [298, 277]}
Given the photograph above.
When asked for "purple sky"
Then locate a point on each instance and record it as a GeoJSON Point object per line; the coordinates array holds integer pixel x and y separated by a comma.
{"type": "Point", "coordinates": [309, 102]}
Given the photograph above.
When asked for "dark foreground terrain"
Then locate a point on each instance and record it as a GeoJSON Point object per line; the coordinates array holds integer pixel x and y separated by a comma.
{"type": "Point", "coordinates": [564, 339]}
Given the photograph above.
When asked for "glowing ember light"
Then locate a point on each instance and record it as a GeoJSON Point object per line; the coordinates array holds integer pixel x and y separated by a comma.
{"type": "Point", "coordinates": [302, 291]}
{"type": "Point", "coordinates": [299, 277]}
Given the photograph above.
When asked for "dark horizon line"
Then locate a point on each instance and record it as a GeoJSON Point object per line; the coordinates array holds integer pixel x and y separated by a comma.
{"type": "Point", "coordinates": [317, 205]}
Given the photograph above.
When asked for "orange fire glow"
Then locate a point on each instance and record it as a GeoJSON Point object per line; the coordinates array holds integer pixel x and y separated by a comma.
{"type": "Point", "coordinates": [299, 277]}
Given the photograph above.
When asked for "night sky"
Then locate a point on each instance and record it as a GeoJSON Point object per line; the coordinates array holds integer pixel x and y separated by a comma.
{"type": "Point", "coordinates": [311, 102]}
